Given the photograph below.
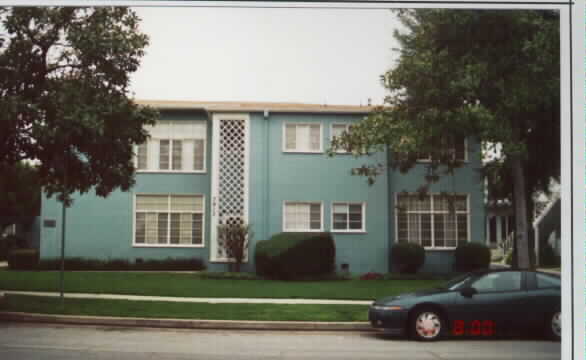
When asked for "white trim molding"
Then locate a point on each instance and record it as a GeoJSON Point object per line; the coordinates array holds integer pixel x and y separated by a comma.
{"type": "Point", "coordinates": [217, 118]}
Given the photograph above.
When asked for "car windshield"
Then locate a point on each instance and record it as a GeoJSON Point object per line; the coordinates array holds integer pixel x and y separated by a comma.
{"type": "Point", "coordinates": [456, 282]}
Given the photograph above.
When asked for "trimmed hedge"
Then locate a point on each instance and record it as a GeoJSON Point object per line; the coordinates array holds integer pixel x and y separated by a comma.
{"type": "Point", "coordinates": [471, 256]}
{"type": "Point", "coordinates": [23, 259]}
{"type": "Point", "coordinates": [407, 258]}
{"type": "Point", "coordinates": [294, 256]}
{"type": "Point", "coordinates": [9, 243]}
{"type": "Point", "coordinates": [84, 264]}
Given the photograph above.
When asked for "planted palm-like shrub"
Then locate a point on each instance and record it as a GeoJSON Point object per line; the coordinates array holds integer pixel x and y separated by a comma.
{"type": "Point", "coordinates": [292, 256]}
{"type": "Point", "coordinates": [235, 238]}
{"type": "Point", "coordinates": [407, 258]}
{"type": "Point", "coordinates": [471, 256]}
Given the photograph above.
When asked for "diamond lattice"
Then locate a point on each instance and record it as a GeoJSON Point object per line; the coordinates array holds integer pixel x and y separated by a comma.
{"type": "Point", "coordinates": [231, 174]}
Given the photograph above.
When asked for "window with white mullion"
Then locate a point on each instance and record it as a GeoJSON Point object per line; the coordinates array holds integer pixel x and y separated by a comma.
{"type": "Point", "coordinates": [164, 154]}
{"type": "Point", "coordinates": [176, 156]}
{"type": "Point", "coordinates": [430, 222]}
{"type": "Point", "coordinates": [174, 146]}
{"type": "Point", "coordinates": [302, 137]}
{"type": "Point", "coordinates": [302, 216]}
{"type": "Point", "coordinates": [142, 156]}
{"type": "Point", "coordinates": [169, 220]}
{"type": "Point", "coordinates": [348, 217]}
{"type": "Point", "coordinates": [337, 130]}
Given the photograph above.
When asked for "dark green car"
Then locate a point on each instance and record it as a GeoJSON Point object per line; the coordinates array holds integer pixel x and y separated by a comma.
{"type": "Point", "coordinates": [479, 304]}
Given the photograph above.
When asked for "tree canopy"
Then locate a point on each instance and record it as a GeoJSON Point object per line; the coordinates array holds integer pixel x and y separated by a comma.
{"type": "Point", "coordinates": [20, 194]}
{"type": "Point", "coordinates": [64, 97]}
{"type": "Point", "coordinates": [491, 75]}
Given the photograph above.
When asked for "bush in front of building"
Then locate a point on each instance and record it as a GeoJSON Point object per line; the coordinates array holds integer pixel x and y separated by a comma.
{"type": "Point", "coordinates": [471, 256]}
{"type": "Point", "coordinates": [295, 256]}
{"type": "Point", "coordinates": [23, 259]}
{"type": "Point", "coordinates": [85, 264]}
{"type": "Point", "coordinates": [9, 243]}
{"type": "Point", "coordinates": [407, 258]}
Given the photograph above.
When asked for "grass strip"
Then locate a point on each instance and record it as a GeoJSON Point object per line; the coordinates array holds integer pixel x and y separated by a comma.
{"type": "Point", "coordinates": [175, 310]}
{"type": "Point", "coordinates": [191, 285]}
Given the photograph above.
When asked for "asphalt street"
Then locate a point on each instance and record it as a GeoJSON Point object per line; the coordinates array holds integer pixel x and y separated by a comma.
{"type": "Point", "coordinates": [52, 342]}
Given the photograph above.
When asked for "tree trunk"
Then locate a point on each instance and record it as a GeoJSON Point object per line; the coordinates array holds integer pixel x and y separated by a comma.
{"type": "Point", "coordinates": [521, 224]}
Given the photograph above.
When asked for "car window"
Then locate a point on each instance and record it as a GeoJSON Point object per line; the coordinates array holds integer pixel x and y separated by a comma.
{"type": "Point", "coordinates": [547, 281]}
{"type": "Point", "coordinates": [456, 282]}
{"type": "Point", "coordinates": [500, 281]}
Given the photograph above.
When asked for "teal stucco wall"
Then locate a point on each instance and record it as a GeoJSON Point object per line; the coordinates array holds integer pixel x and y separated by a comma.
{"type": "Point", "coordinates": [103, 228]}
{"type": "Point", "coordinates": [466, 180]}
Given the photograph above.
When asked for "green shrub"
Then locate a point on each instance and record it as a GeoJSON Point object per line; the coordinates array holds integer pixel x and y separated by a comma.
{"type": "Point", "coordinates": [84, 264]}
{"type": "Point", "coordinates": [9, 243]}
{"type": "Point", "coordinates": [294, 256]}
{"type": "Point", "coordinates": [23, 259]}
{"type": "Point", "coordinates": [471, 256]}
{"type": "Point", "coordinates": [407, 258]}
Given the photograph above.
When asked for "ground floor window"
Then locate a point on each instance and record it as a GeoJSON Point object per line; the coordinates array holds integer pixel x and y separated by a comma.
{"type": "Point", "coordinates": [302, 216]}
{"type": "Point", "coordinates": [348, 217]}
{"type": "Point", "coordinates": [434, 220]}
{"type": "Point", "coordinates": [169, 220]}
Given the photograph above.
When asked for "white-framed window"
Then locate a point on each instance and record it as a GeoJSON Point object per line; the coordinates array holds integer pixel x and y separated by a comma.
{"type": "Point", "coordinates": [348, 217]}
{"type": "Point", "coordinates": [431, 221]}
{"type": "Point", "coordinates": [336, 130]}
{"type": "Point", "coordinates": [169, 220]}
{"type": "Point", "coordinates": [174, 146]}
{"type": "Point", "coordinates": [457, 147]}
{"type": "Point", "coordinates": [302, 137]}
{"type": "Point", "coordinates": [302, 216]}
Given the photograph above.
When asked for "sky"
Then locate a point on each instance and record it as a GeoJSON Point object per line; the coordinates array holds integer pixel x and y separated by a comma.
{"type": "Point", "coordinates": [323, 56]}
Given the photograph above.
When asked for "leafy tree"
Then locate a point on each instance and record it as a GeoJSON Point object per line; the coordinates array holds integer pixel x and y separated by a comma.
{"type": "Point", "coordinates": [20, 195]}
{"type": "Point", "coordinates": [490, 75]}
{"type": "Point", "coordinates": [64, 77]}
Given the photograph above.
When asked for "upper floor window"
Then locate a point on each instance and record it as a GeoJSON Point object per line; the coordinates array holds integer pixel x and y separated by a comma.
{"type": "Point", "coordinates": [302, 216]}
{"type": "Point", "coordinates": [431, 221]}
{"type": "Point", "coordinates": [454, 147]}
{"type": "Point", "coordinates": [302, 137]}
{"type": "Point", "coordinates": [337, 130]}
{"type": "Point", "coordinates": [174, 146]}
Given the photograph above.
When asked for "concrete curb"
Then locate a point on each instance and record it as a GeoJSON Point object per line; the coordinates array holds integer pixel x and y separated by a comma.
{"type": "Point", "coordinates": [186, 324]}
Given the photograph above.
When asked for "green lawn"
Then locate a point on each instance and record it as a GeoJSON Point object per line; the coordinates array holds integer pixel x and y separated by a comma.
{"type": "Point", "coordinates": [159, 309]}
{"type": "Point", "coordinates": [192, 285]}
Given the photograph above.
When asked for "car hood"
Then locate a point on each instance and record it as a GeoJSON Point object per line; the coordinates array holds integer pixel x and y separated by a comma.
{"type": "Point", "coordinates": [412, 295]}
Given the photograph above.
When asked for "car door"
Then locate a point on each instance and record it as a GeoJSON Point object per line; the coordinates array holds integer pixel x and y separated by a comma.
{"type": "Point", "coordinates": [496, 306]}
{"type": "Point", "coordinates": [544, 297]}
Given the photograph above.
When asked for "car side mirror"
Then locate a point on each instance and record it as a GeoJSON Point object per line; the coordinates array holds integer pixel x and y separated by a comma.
{"type": "Point", "coordinates": [468, 292]}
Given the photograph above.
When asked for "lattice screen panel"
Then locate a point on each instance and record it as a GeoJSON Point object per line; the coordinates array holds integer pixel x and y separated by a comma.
{"type": "Point", "coordinates": [231, 176]}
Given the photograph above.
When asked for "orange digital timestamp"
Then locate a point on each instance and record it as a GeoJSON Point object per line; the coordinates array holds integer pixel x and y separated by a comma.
{"type": "Point", "coordinates": [473, 328]}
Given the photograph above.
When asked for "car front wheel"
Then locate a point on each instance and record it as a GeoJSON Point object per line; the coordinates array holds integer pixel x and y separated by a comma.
{"type": "Point", "coordinates": [554, 326]}
{"type": "Point", "coordinates": [427, 325]}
